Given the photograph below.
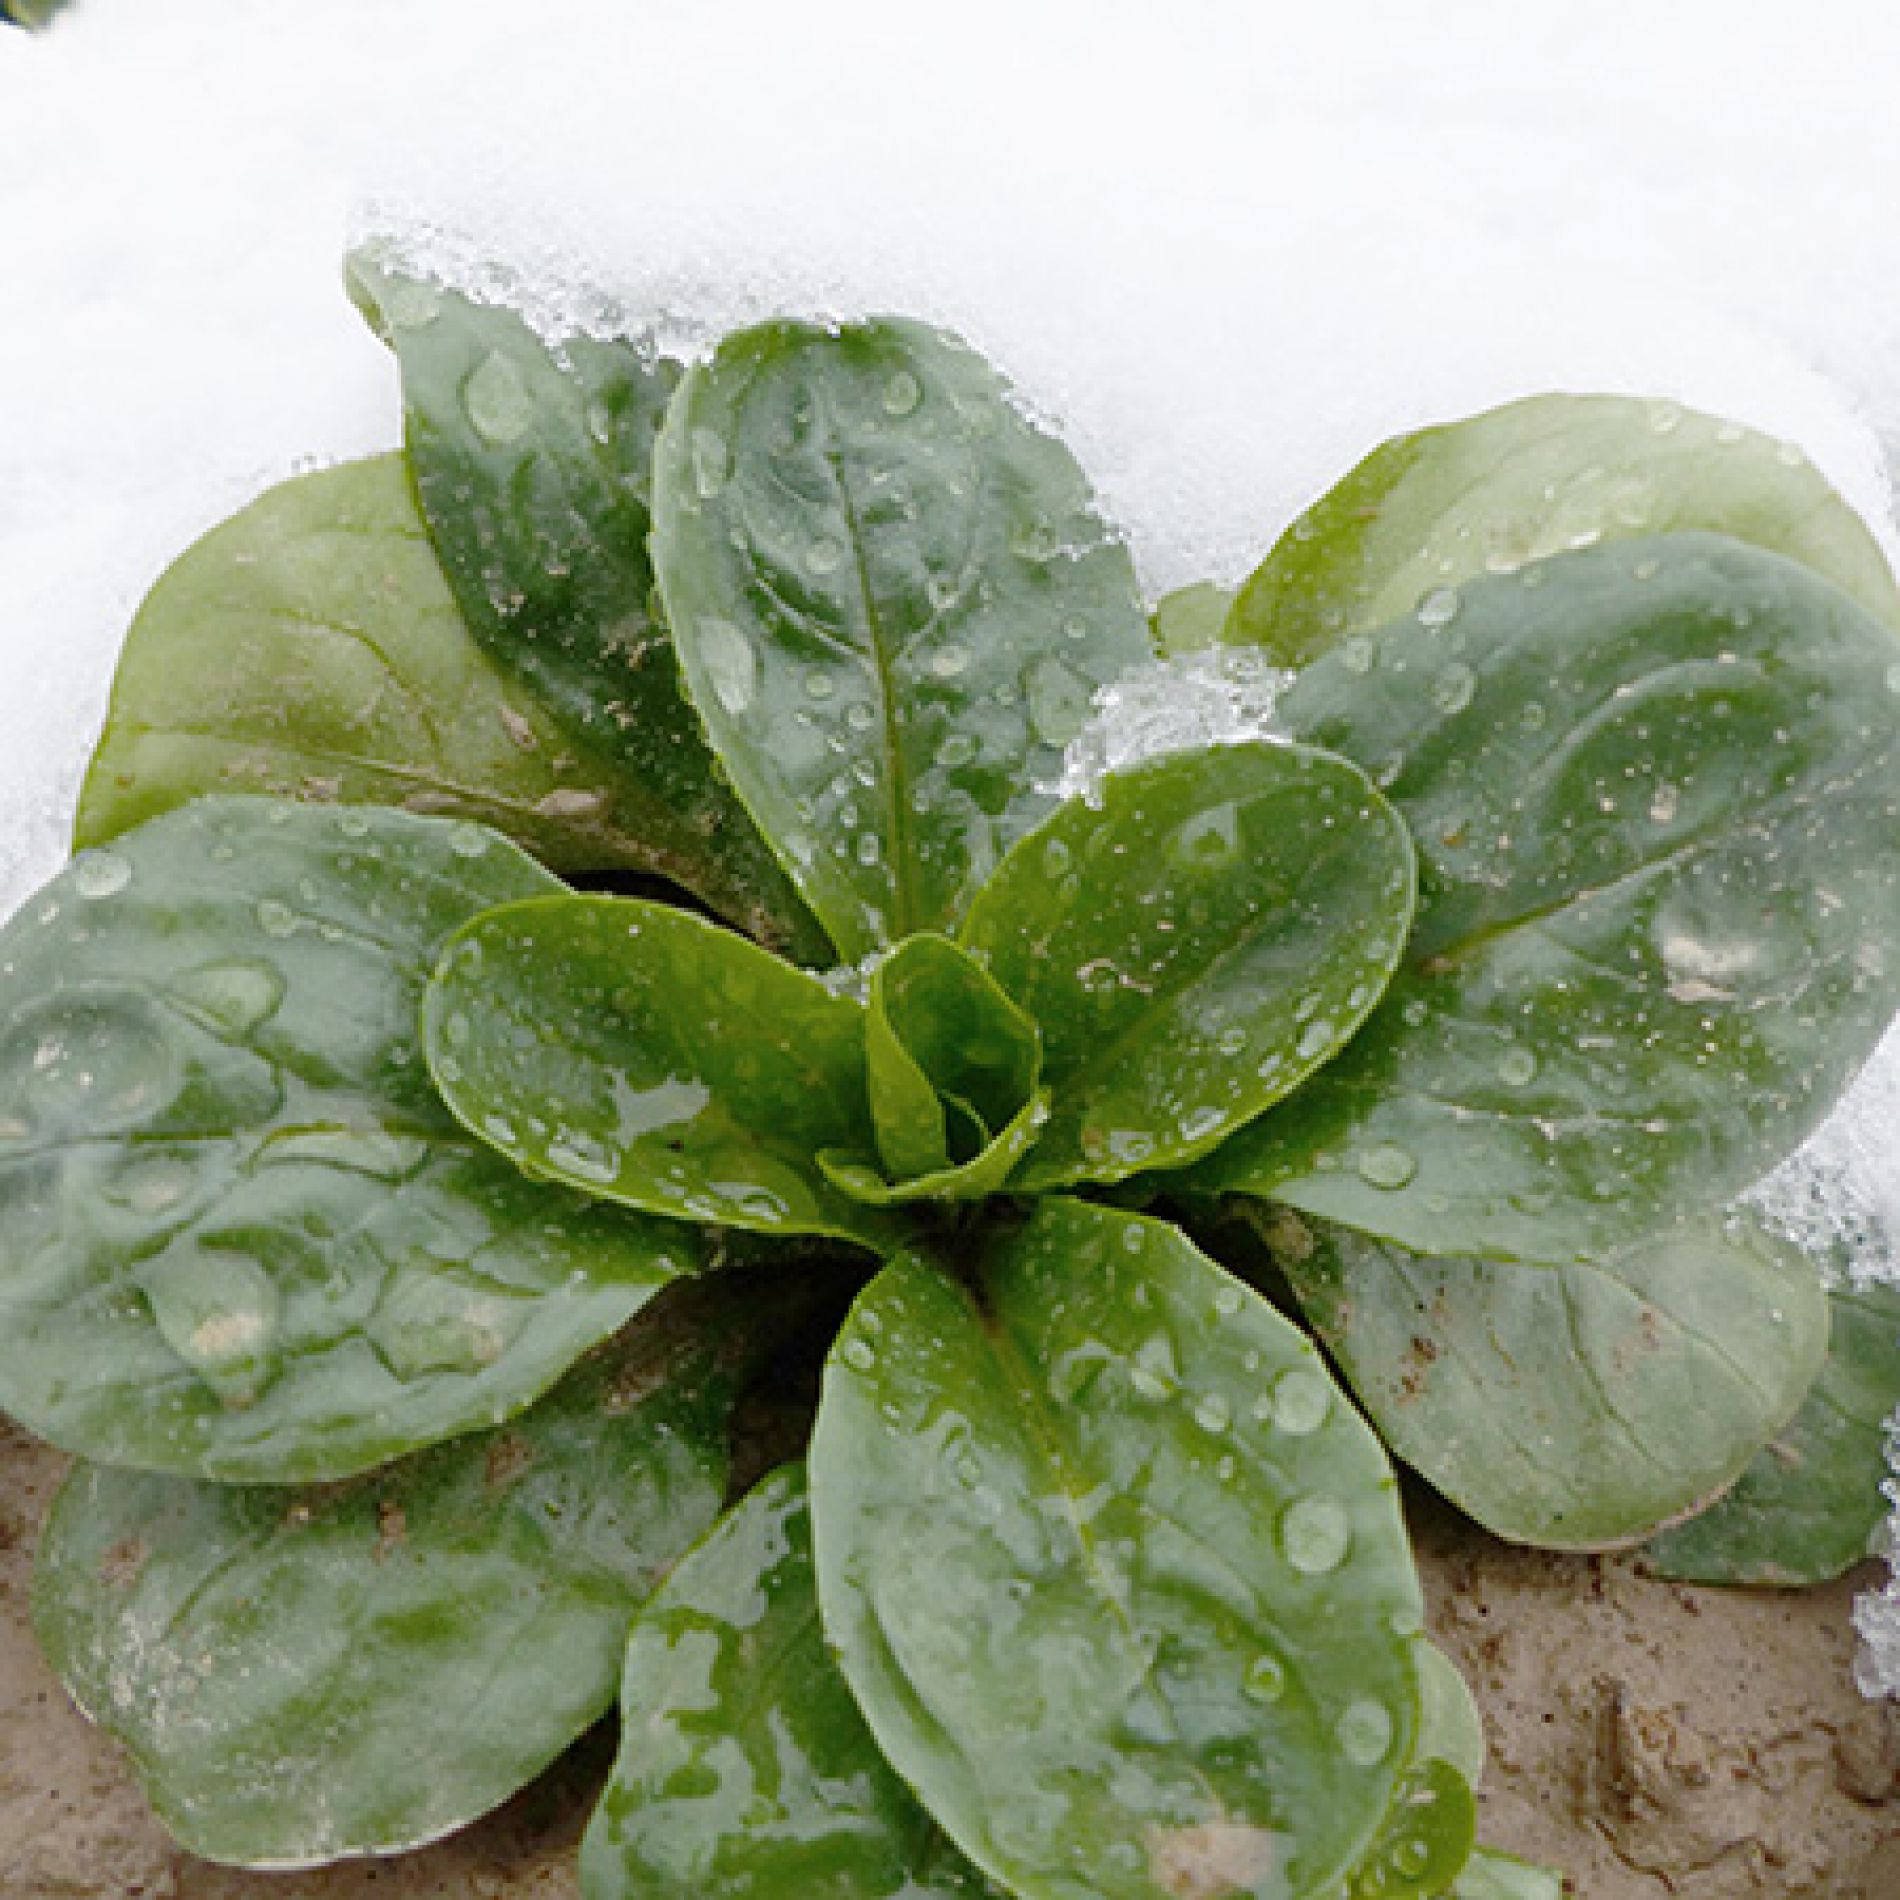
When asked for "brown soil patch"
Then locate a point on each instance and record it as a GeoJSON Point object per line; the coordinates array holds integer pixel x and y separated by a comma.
{"type": "Point", "coordinates": [1654, 1741]}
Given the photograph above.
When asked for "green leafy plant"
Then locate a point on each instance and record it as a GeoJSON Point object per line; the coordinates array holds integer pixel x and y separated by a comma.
{"type": "Point", "coordinates": [410, 1243]}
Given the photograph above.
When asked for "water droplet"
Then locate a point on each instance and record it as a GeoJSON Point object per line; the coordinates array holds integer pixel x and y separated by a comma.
{"type": "Point", "coordinates": [275, 918]}
{"type": "Point", "coordinates": [1209, 840]}
{"type": "Point", "coordinates": [869, 851]}
{"type": "Point", "coordinates": [730, 663]}
{"type": "Point", "coordinates": [1387, 1165]}
{"type": "Point", "coordinates": [1212, 1413]}
{"type": "Point", "coordinates": [1665, 417]}
{"type": "Point", "coordinates": [1315, 1533]}
{"type": "Point", "coordinates": [958, 748]}
{"type": "Point", "coordinates": [1355, 654]}
{"type": "Point", "coordinates": [468, 841]}
{"type": "Point", "coordinates": [1034, 541]}
{"type": "Point", "coordinates": [1301, 1402]}
{"type": "Point", "coordinates": [100, 874]}
{"type": "Point", "coordinates": [497, 400]}
{"type": "Point", "coordinates": [410, 304]}
{"type": "Point", "coordinates": [1893, 678]}
{"type": "Point", "coordinates": [1364, 1732]}
{"type": "Point", "coordinates": [819, 684]}
{"type": "Point", "coordinates": [1440, 607]}
{"type": "Point", "coordinates": [948, 661]}
{"type": "Point", "coordinates": [902, 394]}
{"type": "Point", "coordinates": [1058, 700]}
{"type": "Point", "coordinates": [712, 466]}
{"type": "Point", "coordinates": [1265, 1680]}
{"type": "Point", "coordinates": [1315, 1039]}
{"type": "Point", "coordinates": [858, 1354]}
{"type": "Point", "coordinates": [824, 556]}
{"type": "Point", "coordinates": [237, 996]}
{"type": "Point", "coordinates": [1228, 1300]}
{"type": "Point", "coordinates": [1453, 689]}
{"type": "Point", "coordinates": [1517, 1066]}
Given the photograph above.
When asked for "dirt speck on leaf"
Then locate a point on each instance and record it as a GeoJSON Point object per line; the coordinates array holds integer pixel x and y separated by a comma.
{"type": "Point", "coordinates": [1213, 1861]}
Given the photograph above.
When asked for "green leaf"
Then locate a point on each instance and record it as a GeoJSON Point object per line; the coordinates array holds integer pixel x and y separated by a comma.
{"type": "Point", "coordinates": [1191, 618]}
{"type": "Point", "coordinates": [1450, 1727]}
{"type": "Point", "coordinates": [894, 599]}
{"type": "Point", "coordinates": [1119, 1582]}
{"type": "Point", "coordinates": [1427, 1837]}
{"type": "Point", "coordinates": [1574, 1407]}
{"type": "Point", "coordinates": [645, 1056]}
{"type": "Point", "coordinates": [534, 465]}
{"type": "Point", "coordinates": [1493, 1876]}
{"type": "Point", "coordinates": [304, 1675]}
{"type": "Point", "coordinates": [240, 1237]}
{"type": "Point", "coordinates": [1654, 789]}
{"type": "Point", "coordinates": [1810, 1506]}
{"type": "Point", "coordinates": [309, 648]}
{"type": "Point", "coordinates": [1430, 511]}
{"type": "Point", "coordinates": [1194, 948]}
{"type": "Point", "coordinates": [745, 1768]}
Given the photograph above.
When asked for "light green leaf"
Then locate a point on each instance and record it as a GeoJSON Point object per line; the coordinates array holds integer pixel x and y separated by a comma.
{"type": "Point", "coordinates": [1427, 1837]}
{"type": "Point", "coordinates": [240, 1237]}
{"type": "Point", "coordinates": [1450, 1727]}
{"type": "Point", "coordinates": [309, 648]}
{"type": "Point", "coordinates": [650, 1058]}
{"type": "Point", "coordinates": [1428, 512]}
{"type": "Point", "coordinates": [1810, 1507]}
{"type": "Point", "coordinates": [1191, 618]}
{"type": "Point", "coordinates": [1574, 1407]}
{"type": "Point", "coordinates": [894, 598]}
{"type": "Point", "coordinates": [1494, 1876]}
{"type": "Point", "coordinates": [1118, 1580]}
{"type": "Point", "coordinates": [1193, 948]}
{"type": "Point", "coordinates": [1656, 795]}
{"type": "Point", "coordinates": [304, 1675]}
{"type": "Point", "coordinates": [534, 464]}
{"type": "Point", "coordinates": [745, 1769]}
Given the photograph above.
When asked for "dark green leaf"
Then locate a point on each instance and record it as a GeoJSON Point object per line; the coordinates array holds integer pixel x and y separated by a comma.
{"type": "Point", "coordinates": [1191, 618]}
{"type": "Point", "coordinates": [1575, 1407]}
{"type": "Point", "coordinates": [1810, 1507]}
{"type": "Point", "coordinates": [1427, 1837]}
{"type": "Point", "coordinates": [650, 1058]}
{"type": "Point", "coordinates": [745, 1770]}
{"type": "Point", "coordinates": [1656, 795]}
{"type": "Point", "coordinates": [302, 1675]}
{"type": "Point", "coordinates": [535, 469]}
{"type": "Point", "coordinates": [240, 1237]}
{"type": "Point", "coordinates": [309, 648]}
{"type": "Point", "coordinates": [1120, 1583]}
{"type": "Point", "coordinates": [1193, 948]}
{"type": "Point", "coordinates": [893, 598]}
{"type": "Point", "coordinates": [1493, 1876]}
{"type": "Point", "coordinates": [1433, 510]}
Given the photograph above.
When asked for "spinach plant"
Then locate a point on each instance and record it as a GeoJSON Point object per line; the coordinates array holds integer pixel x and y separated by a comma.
{"type": "Point", "coordinates": [408, 1241]}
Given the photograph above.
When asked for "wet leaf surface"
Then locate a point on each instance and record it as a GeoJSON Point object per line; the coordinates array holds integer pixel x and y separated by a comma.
{"type": "Point", "coordinates": [1654, 790]}
{"type": "Point", "coordinates": [1426, 1840]}
{"type": "Point", "coordinates": [1574, 1407]}
{"type": "Point", "coordinates": [1118, 1579]}
{"type": "Point", "coordinates": [299, 1675]}
{"type": "Point", "coordinates": [745, 1768]}
{"type": "Point", "coordinates": [893, 597]}
{"type": "Point", "coordinates": [1194, 948]}
{"type": "Point", "coordinates": [240, 1236]}
{"type": "Point", "coordinates": [534, 465]}
{"type": "Point", "coordinates": [1425, 513]}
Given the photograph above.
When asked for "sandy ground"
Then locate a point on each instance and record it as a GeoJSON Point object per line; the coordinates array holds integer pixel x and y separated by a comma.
{"type": "Point", "coordinates": [1652, 1740]}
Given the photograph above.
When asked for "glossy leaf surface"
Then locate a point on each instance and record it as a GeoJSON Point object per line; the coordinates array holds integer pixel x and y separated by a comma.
{"type": "Point", "coordinates": [1573, 1407]}
{"type": "Point", "coordinates": [534, 464]}
{"type": "Point", "coordinates": [240, 1237]}
{"type": "Point", "coordinates": [893, 598]}
{"type": "Point", "coordinates": [1655, 790]}
{"type": "Point", "coordinates": [1430, 511]}
{"type": "Point", "coordinates": [1118, 1579]}
{"type": "Point", "coordinates": [1426, 1840]}
{"type": "Point", "coordinates": [302, 1675]}
{"type": "Point", "coordinates": [1490, 1875]}
{"type": "Point", "coordinates": [309, 648]}
{"type": "Point", "coordinates": [648, 1057]}
{"type": "Point", "coordinates": [1810, 1506]}
{"type": "Point", "coordinates": [745, 1768]}
{"type": "Point", "coordinates": [1194, 948]}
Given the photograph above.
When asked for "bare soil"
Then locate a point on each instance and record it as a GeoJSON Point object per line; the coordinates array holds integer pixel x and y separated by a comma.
{"type": "Point", "coordinates": [1650, 1739]}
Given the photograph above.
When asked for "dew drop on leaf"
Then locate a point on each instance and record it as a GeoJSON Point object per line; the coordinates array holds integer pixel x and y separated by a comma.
{"type": "Point", "coordinates": [497, 400]}
{"type": "Point", "coordinates": [98, 874]}
{"type": "Point", "coordinates": [1364, 1732]}
{"type": "Point", "coordinates": [1315, 1533]}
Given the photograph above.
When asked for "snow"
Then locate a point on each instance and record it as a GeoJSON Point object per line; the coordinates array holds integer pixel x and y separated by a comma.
{"type": "Point", "coordinates": [1228, 246]}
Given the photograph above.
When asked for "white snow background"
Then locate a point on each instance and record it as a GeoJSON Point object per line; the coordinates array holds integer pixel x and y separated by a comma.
{"type": "Point", "coordinates": [1228, 245]}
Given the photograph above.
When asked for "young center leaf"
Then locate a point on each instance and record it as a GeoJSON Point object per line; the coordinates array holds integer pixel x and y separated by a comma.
{"type": "Point", "coordinates": [1194, 947]}
{"type": "Point", "coordinates": [1654, 789]}
{"type": "Point", "coordinates": [309, 648]}
{"type": "Point", "coordinates": [952, 1066]}
{"type": "Point", "coordinates": [1810, 1507]}
{"type": "Point", "coordinates": [1118, 1580]}
{"type": "Point", "coordinates": [1573, 1407]}
{"type": "Point", "coordinates": [1427, 512]}
{"type": "Point", "coordinates": [745, 1770]}
{"type": "Point", "coordinates": [894, 598]}
{"type": "Point", "coordinates": [534, 465]}
{"type": "Point", "coordinates": [304, 1675]}
{"type": "Point", "coordinates": [240, 1236]}
{"type": "Point", "coordinates": [645, 1056]}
